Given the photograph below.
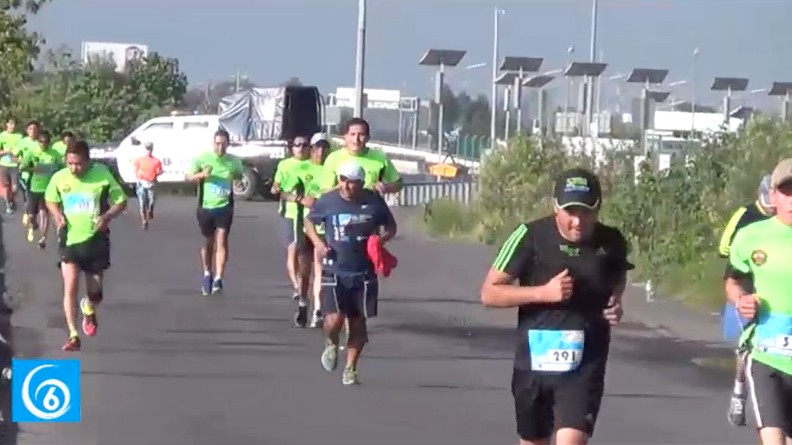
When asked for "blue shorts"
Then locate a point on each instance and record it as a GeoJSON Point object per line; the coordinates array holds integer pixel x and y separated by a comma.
{"type": "Point", "coordinates": [292, 233]}
{"type": "Point", "coordinates": [145, 196]}
{"type": "Point", "coordinates": [354, 296]}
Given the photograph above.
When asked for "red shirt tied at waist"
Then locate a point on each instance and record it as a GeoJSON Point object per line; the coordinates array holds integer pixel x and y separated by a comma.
{"type": "Point", "coordinates": [384, 261]}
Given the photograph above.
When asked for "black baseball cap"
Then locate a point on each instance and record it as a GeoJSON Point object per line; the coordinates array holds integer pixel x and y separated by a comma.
{"type": "Point", "coordinates": [578, 187]}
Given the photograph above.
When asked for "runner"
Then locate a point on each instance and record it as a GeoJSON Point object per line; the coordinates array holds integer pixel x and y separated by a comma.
{"type": "Point", "coordinates": [381, 175]}
{"type": "Point", "coordinates": [83, 199]}
{"type": "Point", "coordinates": [320, 149]}
{"type": "Point", "coordinates": [762, 251]}
{"type": "Point", "coordinates": [27, 143]}
{"type": "Point", "coordinates": [147, 170]}
{"type": "Point", "coordinates": [571, 272]}
{"type": "Point", "coordinates": [304, 191]}
{"type": "Point", "coordinates": [286, 176]}
{"type": "Point", "coordinates": [215, 172]}
{"type": "Point", "coordinates": [759, 210]}
{"type": "Point", "coordinates": [67, 137]}
{"type": "Point", "coordinates": [350, 214]}
{"type": "Point", "coordinates": [8, 164]}
{"type": "Point", "coordinates": [41, 164]}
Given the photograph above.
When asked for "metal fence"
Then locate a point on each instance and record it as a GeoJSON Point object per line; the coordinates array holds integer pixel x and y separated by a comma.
{"type": "Point", "coordinates": [420, 193]}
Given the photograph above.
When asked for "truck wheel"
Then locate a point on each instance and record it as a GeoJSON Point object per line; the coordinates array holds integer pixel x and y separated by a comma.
{"type": "Point", "coordinates": [245, 188]}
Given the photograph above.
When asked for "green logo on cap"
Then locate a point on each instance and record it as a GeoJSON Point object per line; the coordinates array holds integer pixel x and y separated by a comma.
{"type": "Point", "coordinates": [577, 184]}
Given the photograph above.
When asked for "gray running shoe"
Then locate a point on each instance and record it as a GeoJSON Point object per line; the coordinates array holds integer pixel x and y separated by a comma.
{"type": "Point", "coordinates": [330, 357]}
{"type": "Point", "coordinates": [350, 376]}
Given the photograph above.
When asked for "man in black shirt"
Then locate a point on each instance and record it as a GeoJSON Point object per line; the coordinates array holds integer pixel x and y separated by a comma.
{"type": "Point", "coordinates": [571, 272]}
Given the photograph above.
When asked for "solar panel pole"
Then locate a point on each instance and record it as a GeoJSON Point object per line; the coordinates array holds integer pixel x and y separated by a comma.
{"type": "Point", "coordinates": [494, 92]}
{"type": "Point", "coordinates": [439, 100]}
{"type": "Point", "coordinates": [785, 108]}
{"type": "Point", "coordinates": [506, 97]}
{"type": "Point", "coordinates": [517, 96]}
{"type": "Point", "coordinates": [570, 50]}
{"type": "Point", "coordinates": [593, 58]}
{"type": "Point", "coordinates": [360, 59]}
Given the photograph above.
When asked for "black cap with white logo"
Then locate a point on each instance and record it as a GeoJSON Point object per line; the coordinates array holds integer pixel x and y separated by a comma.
{"type": "Point", "coordinates": [578, 187]}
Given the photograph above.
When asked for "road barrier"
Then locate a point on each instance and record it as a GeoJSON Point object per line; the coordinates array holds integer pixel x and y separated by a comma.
{"type": "Point", "coordinates": [420, 193]}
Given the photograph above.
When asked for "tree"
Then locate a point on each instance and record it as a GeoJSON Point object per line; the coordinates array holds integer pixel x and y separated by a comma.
{"type": "Point", "coordinates": [19, 48]}
{"type": "Point", "coordinates": [292, 82]}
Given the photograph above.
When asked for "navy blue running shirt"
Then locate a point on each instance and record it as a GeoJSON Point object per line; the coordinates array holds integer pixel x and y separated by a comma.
{"type": "Point", "coordinates": [348, 225]}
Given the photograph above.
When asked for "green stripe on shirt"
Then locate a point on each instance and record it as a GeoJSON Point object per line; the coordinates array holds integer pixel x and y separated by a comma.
{"type": "Point", "coordinates": [509, 248]}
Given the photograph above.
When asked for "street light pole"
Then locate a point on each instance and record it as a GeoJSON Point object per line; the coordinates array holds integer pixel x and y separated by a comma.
{"type": "Point", "coordinates": [494, 87]}
{"type": "Point", "coordinates": [360, 59]}
{"type": "Point", "coordinates": [592, 59]}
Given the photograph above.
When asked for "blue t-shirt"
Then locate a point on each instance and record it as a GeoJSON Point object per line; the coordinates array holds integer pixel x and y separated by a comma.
{"type": "Point", "coordinates": [348, 225]}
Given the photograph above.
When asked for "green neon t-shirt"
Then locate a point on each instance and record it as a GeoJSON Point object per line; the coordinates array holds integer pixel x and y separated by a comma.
{"type": "Point", "coordinates": [41, 165]}
{"type": "Point", "coordinates": [287, 175]}
{"type": "Point", "coordinates": [9, 141]}
{"type": "Point", "coordinates": [764, 250]}
{"type": "Point", "coordinates": [215, 191]}
{"type": "Point", "coordinates": [24, 146]}
{"type": "Point", "coordinates": [375, 164]}
{"type": "Point", "coordinates": [60, 147]}
{"type": "Point", "coordinates": [84, 199]}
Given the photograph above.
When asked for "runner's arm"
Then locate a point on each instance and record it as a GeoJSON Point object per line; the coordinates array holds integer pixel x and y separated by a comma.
{"type": "Point", "coordinates": [514, 257]}
{"type": "Point", "coordinates": [729, 231]}
{"type": "Point", "coordinates": [739, 269]}
{"type": "Point", "coordinates": [317, 216]}
{"type": "Point", "coordinates": [385, 219]}
{"type": "Point", "coordinates": [116, 197]}
{"type": "Point", "coordinates": [196, 173]}
{"type": "Point", "coordinates": [390, 177]}
{"type": "Point", "coordinates": [52, 200]}
{"type": "Point", "coordinates": [620, 265]}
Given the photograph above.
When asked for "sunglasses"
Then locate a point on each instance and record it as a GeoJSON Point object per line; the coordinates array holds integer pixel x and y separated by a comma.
{"type": "Point", "coordinates": [301, 144]}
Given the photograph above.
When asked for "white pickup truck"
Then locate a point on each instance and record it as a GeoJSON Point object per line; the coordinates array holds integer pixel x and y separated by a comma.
{"type": "Point", "coordinates": [179, 139]}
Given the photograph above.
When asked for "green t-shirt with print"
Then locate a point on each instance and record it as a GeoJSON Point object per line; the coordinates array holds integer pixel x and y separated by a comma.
{"type": "Point", "coordinates": [41, 165]}
{"type": "Point", "coordinates": [375, 164]}
{"type": "Point", "coordinates": [287, 175]}
{"type": "Point", "coordinates": [8, 141]}
{"type": "Point", "coordinates": [83, 199]}
{"type": "Point", "coordinates": [24, 146]}
{"type": "Point", "coordinates": [216, 190]}
{"type": "Point", "coordinates": [764, 249]}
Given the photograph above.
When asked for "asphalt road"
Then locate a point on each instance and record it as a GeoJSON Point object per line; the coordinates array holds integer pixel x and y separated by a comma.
{"type": "Point", "coordinates": [170, 367]}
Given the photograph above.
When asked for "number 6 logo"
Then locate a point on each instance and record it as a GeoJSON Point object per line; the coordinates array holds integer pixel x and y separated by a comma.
{"type": "Point", "coordinates": [54, 407]}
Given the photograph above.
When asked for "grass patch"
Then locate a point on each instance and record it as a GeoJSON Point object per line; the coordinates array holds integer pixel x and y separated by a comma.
{"type": "Point", "coordinates": [448, 219]}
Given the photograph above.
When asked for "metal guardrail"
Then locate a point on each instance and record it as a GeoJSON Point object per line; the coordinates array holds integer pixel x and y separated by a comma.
{"type": "Point", "coordinates": [420, 193]}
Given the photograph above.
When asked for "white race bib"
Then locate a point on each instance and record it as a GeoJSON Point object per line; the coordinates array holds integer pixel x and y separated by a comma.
{"type": "Point", "coordinates": [555, 350]}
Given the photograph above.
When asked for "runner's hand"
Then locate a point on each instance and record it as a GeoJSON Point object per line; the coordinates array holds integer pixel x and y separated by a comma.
{"type": "Point", "coordinates": [559, 288]}
{"type": "Point", "coordinates": [380, 188]}
{"type": "Point", "coordinates": [321, 249]}
{"type": "Point", "coordinates": [102, 223]}
{"type": "Point", "coordinates": [748, 305]}
{"type": "Point", "coordinates": [307, 201]}
{"type": "Point", "coordinates": [613, 313]}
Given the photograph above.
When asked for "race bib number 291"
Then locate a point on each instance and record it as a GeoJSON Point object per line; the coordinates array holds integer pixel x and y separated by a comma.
{"type": "Point", "coordinates": [45, 390]}
{"type": "Point", "coordinates": [555, 350]}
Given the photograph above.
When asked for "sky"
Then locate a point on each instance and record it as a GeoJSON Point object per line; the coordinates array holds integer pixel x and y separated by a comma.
{"type": "Point", "coordinates": [273, 40]}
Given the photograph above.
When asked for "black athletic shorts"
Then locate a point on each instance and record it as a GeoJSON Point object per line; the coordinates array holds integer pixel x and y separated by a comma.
{"type": "Point", "coordinates": [35, 203]}
{"type": "Point", "coordinates": [210, 220]}
{"type": "Point", "coordinates": [9, 175]}
{"type": "Point", "coordinates": [91, 256]}
{"type": "Point", "coordinates": [544, 403]}
{"type": "Point", "coordinates": [771, 396]}
{"type": "Point", "coordinates": [354, 296]}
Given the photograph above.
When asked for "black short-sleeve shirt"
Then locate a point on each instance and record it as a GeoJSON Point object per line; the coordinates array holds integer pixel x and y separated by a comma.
{"type": "Point", "coordinates": [536, 252]}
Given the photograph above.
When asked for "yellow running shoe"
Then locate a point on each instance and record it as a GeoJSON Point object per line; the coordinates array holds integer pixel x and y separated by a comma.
{"type": "Point", "coordinates": [25, 219]}
{"type": "Point", "coordinates": [31, 234]}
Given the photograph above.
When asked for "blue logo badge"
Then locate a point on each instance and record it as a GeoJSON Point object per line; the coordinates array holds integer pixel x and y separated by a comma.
{"type": "Point", "coordinates": [45, 390]}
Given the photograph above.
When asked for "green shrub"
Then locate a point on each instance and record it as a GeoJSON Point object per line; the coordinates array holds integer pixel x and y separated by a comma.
{"type": "Point", "coordinates": [673, 218]}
